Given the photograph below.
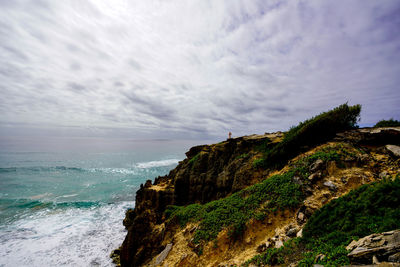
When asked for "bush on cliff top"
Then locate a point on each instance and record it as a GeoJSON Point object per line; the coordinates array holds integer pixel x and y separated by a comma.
{"type": "Point", "coordinates": [310, 133]}
{"type": "Point", "coordinates": [372, 208]}
{"type": "Point", "coordinates": [387, 123]}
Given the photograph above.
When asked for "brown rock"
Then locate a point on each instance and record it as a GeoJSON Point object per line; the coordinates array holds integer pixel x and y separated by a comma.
{"type": "Point", "coordinates": [291, 232]}
{"type": "Point", "coordinates": [317, 165]}
{"type": "Point", "coordinates": [395, 257]}
{"type": "Point", "coordinates": [315, 176]}
{"type": "Point", "coordinates": [381, 246]}
{"type": "Point", "coordinates": [300, 217]}
{"type": "Point", "coordinates": [161, 257]}
{"type": "Point", "coordinates": [261, 248]}
{"type": "Point", "coordinates": [300, 233]}
{"type": "Point", "coordinates": [320, 257]}
{"type": "Point", "coordinates": [330, 185]}
{"type": "Point", "coordinates": [393, 150]}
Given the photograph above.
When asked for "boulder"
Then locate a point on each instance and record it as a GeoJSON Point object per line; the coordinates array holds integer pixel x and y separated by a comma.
{"type": "Point", "coordinates": [393, 150]}
{"type": "Point", "coordinates": [319, 257]}
{"type": "Point", "coordinates": [383, 175]}
{"type": "Point", "coordinates": [300, 233]}
{"type": "Point", "coordinates": [292, 232]}
{"type": "Point", "coordinates": [163, 254]}
{"type": "Point", "coordinates": [395, 257]}
{"type": "Point", "coordinates": [300, 217]}
{"type": "Point", "coordinates": [279, 244]}
{"type": "Point", "coordinates": [330, 185]}
{"type": "Point", "coordinates": [315, 176]}
{"type": "Point", "coordinates": [383, 246]}
{"type": "Point", "coordinates": [317, 165]}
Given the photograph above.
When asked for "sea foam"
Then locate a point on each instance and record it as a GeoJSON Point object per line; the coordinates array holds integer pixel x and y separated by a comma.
{"type": "Point", "coordinates": [69, 237]}
{"type": "Point", "coordinates": [157, 163]}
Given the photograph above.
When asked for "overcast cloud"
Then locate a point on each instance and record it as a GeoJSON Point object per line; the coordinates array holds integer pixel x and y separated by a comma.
{"type": "Point", "coordinates": [193, 68]}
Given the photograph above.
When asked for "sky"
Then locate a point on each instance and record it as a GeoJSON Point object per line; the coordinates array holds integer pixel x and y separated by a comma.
{"type": "Point", "coordinates": [193, 69]}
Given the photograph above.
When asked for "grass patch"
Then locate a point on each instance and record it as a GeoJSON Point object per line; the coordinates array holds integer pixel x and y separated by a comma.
{"type": "Point", "coordinates": [242, 156]}
{"type": "Point", "coordinates": [336, 153]}
{"type": "Point", "coordinates": [372, 208]}
{"type": "Point", "coordinates": [195, 158]}
{"type": "Point", "coordinates": [310, 133]}
{"type": "Point", "coordinates": [258, 163]}
{"type": "Point", "coordinates": [387, 123]}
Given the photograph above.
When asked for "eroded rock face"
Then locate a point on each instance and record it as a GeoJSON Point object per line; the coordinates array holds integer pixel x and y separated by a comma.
{"type": "Point", "coordinates": [209, 172]}
{"type": "Point", "coordinates": [372, 136]}
{"type": "Point", "coordinates": [143, 240]}
{"type": "Point", "coordinates": [383, 246]}
{"type": "Point", "coordinates": [212, 172]}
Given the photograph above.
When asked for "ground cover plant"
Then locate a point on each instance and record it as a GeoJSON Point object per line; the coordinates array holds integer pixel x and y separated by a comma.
{"type": "Point", "coordinates": [372, 208]}
{"type": "Point", "coordinates": [233, 212]}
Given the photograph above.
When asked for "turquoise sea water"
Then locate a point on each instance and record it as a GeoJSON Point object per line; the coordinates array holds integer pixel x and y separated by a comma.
{"type": "Point", "coordinates": [66, 207]}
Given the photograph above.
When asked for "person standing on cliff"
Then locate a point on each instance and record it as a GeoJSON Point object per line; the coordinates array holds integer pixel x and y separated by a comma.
{"type": "Point", "coordinates": [229, 135]}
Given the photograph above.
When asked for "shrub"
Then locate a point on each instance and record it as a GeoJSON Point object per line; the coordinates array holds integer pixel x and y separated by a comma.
{"type": "Point", "coordinates": [387, 123]}
{"type": "Point", "coordinates": [310, 133]}
{"type": "Point", "coordinates": [369, 209]}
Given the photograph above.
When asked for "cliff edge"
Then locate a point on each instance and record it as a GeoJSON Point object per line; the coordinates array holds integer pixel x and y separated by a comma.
{"type": "Point", "coordinates": [224, 205]}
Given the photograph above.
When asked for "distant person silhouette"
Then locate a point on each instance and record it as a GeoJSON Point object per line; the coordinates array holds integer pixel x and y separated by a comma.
{"type": "Point", "coordinates": [229, 135]}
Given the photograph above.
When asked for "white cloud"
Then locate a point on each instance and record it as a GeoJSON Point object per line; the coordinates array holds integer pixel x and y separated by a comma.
{"type": "Point", "coordinates": [195, 67]}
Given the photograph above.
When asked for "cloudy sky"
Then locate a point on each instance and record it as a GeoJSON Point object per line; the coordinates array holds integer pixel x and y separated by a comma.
{"type": "Point", "coordinates": [195, 69]}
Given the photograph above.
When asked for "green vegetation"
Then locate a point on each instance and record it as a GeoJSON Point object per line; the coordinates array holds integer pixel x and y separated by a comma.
{"type": "Point", "coordinates": [233, 212]}
{"type": "Point", "coordinates": [242, 156]}
{"type": "Point", "coordinates": [275, 256]}
{"type": "Point", "coordinates": [265, 145]}
{"type": "Point", "coordinates": [388, 123]}
{"type": "Point", "coordinates": [331, 153]}
{"type": "Point", "coordinates": [195, 158]}
{"type": "Point", "coordinates": [274, 194]}
{"type": "Point", "coordinates": [258, 163]}
{"type": "Point", "coordinates": [310, 133]}
{"type": "Point", "coordinates": [368, 209]}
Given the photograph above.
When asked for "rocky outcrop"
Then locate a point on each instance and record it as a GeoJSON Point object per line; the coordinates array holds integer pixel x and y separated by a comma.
{"type": "Point", "coordinates": [383, 247]}
{"type": "Point", "coordinates": [371, 136]}
{"type": "Point", "coordinates": [143, 239]}
{"type": "Point", "coordinates": [393, 150]}
{"type": "Point", "coordinates": [209, 172]}
{"type": "Point", "coordinates": [214, 171]}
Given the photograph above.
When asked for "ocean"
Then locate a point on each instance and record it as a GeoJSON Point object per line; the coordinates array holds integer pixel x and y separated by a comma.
{"type": "Point", "coordinates": [63, 205]}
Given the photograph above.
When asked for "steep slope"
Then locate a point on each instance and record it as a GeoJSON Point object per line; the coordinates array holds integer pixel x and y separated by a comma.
{"type": "Point", "coordinates": [209, 172]}
{"type": "Point", "coordinates": [228, 202]}
{"type": "Point", "coordinates": [330, 170]}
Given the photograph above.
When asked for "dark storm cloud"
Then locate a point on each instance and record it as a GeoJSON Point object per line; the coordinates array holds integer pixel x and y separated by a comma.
{"type": "Point", "coordinates": [197, 67]}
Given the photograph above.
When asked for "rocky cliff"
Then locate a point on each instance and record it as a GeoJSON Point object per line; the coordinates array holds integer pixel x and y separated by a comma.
{"type": "Point", "coordinates": [209, 172]}
{"type": "Point", "coordinates": [226, 175]}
